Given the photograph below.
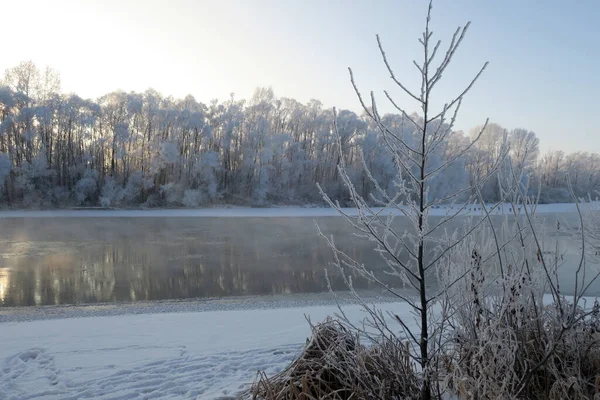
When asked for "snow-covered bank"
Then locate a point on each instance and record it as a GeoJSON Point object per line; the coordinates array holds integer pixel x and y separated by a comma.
{"type": "Point", "coordinates": [234, 303]}
{"type": "Point", "coordinates": [181, 355]}
{"type": "Point", "coordinates": [202, 355]}
{"type": "Point", "coordinates": [249, 212]}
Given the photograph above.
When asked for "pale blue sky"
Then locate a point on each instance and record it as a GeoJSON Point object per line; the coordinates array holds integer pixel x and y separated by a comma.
{"type": "Point", "coordinates": [543, 54]}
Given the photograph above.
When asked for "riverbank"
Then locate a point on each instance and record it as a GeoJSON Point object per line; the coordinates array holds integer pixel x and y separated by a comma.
{"type": "Point", "coordinates": [171, 355]}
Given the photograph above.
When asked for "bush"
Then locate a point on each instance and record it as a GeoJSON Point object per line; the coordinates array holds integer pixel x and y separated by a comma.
{"type": "Point", "coordinates": [172, 193]}
{"type": "Point", "coordinates": [85, 190]}
{"type": "Point", "coordinates": [192, 198]}
{"type": "Point", "coordinates": [112, 193]}
{"type": "Point", "coordinates": [60, 196]}
{"type": "Point", "coordinates": [134, 189]}
{"type": "Point", "coordinates": [528, 356]}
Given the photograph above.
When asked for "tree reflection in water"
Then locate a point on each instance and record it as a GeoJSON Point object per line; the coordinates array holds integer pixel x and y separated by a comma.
{"type": "Point", "coordinates": [88, 260]}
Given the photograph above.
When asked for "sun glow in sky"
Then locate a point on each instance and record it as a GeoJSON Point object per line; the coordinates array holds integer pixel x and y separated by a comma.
{"type": "Point", "coordinates": [543, 53]}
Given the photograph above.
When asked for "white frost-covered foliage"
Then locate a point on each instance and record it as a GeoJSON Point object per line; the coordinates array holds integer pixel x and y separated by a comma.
{"type": "Point", "coordinates": [204, 179]}
{"type": "Point", "coordinates": [134, 188]}
{"type": "Point", "coordinates": [172, 193]}
{"type": "Point", "coordinates": [264, 150]}
{"type": "Point", "coordinates": [34, 180]}
{"type": "Point", "coordinates": [514, 332]}
{"type": "Point", "coordinates": [168, 155]}
{"type": "Point", "coordinates": [112, 193]}
{"type": "Point", "coordinates": [86, 188]}
{"type": "Point", "coordinates": [192, 198]}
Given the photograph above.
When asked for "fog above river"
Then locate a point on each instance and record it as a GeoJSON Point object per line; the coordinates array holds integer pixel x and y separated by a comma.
{"type": "Point", "coordinates": [89, 260]}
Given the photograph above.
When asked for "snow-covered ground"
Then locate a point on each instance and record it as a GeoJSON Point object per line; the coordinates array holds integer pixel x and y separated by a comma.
{"type": "Point", "coordinates": [256, 212]}
{"type": "Point", "coordinates": [159, 355]}
{"type": "Point", "coordinates": [177, 355]}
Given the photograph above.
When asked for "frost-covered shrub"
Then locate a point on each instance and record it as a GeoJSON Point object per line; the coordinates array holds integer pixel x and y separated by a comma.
{"type": "Point", "coordinates": [60, 196]}
{"type": "Point", "coordinates": [112, 193]}
{"type": "Point", "coordinates": [85, 189]}
{"type": "Point", "coordinates": [192, 198]}
{"type": "Point", "coordinates": [172, 193]}
{"type": "Point", "coordinates": [204, 177]}
{"type": "Point", "coordinates": [154, 200]}
{"type": "Point", "coordinates": [105, 202]}
{"type": "Point", "coordinates": [134, 188]}
{"type": "Point", "coordinates": [555, 195]}
{"type": "Point", "coordinates": [527, 351]}
{"type": "Point", "coordinates": [514, 335]}
{"type": "Point", "coordinates": [33, 181]}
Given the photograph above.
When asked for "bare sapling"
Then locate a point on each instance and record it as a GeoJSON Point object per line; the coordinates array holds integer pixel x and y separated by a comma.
{"type": "Point", "coordinates": [412, 243]}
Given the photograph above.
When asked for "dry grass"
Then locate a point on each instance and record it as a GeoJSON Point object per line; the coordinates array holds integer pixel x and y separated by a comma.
{"type": "Point", "coordinates": [335, 366]}
{"type": "Point", "coordinates": [531, 357]}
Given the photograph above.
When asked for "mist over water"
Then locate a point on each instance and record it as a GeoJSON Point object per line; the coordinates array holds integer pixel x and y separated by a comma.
{"type": "Point", "coordinates": [47, 261]}
{"type": "Point", "coordinates": [87, 260]}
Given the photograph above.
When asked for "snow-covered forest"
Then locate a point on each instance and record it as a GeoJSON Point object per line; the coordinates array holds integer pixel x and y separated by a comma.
{"type": "Point", "coordinates": [131, 149]}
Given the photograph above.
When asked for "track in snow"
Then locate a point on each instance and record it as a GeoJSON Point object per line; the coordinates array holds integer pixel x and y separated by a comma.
{"type": "Point", "coordinates": [184, 376]}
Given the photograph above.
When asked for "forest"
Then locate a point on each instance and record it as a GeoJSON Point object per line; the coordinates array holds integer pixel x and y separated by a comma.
{"type": "Point", "coordinates": [150, 150]}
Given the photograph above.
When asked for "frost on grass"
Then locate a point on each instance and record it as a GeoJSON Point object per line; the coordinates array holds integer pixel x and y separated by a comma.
{"type": "Point", "coordinates": [334, 365]}
{"type": "Point", "coordinates": [513, 333]}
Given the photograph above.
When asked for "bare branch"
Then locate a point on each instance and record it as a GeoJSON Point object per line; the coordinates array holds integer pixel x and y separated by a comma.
{"type": "Point", "coordinates": [464, 92]}
{"type": "Point", "coordinates": [392, 75]}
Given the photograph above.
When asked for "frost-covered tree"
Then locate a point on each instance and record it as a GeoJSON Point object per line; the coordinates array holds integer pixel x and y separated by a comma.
{"type": "Point", "coordinates": [420, 158]}
{"type": "Point", "coordinates": [263, 150]}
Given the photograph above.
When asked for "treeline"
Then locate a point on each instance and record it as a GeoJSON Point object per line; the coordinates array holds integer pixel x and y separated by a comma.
{"type": "Point", "coordinates": [129, 149]}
